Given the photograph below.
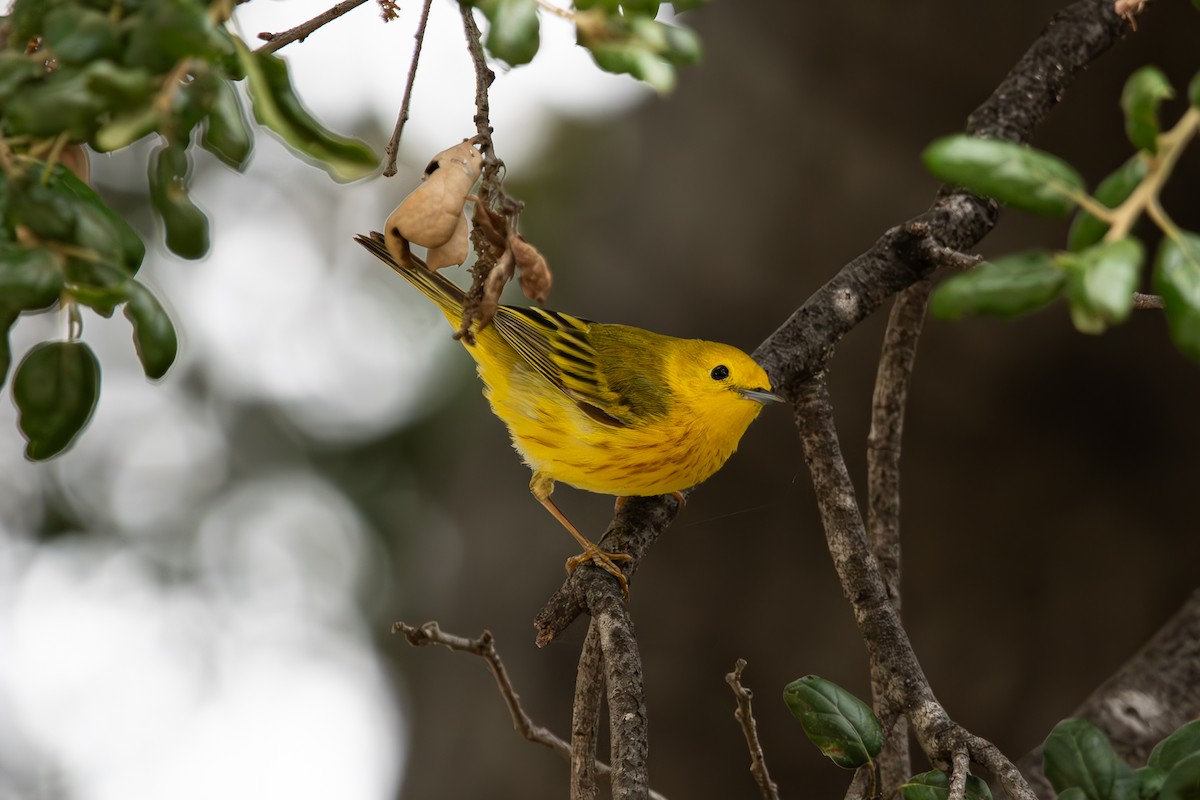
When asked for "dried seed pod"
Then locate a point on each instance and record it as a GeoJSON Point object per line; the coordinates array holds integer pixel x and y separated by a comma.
{"type": "Point", "coordinates": [500, 275]}
{"type": "Point", "coordinates": [535, 272]}
{"type": "Point", "coordinates": [430, 215]}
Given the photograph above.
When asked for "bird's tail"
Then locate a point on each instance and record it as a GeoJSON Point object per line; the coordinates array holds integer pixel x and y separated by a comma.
{"type": "Point", "coordinates": [449, 298]}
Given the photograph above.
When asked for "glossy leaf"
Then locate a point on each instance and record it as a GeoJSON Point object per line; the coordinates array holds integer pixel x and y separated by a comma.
{"type": "Point", "coordinates": [1177, 279]}
{"type": "Point", "coordinates": [676, 44]}
{"type": "Point", "coordinates": [153, 334]}
{"type": "Point", "coordinates": [1101, 282]}
{"type": "Point", "coordinates": [55, 388]}
{"type": "Point", "coordinates": [1011, 173]}
{"type": "Point", "coordinates": [1144, 92]}
{"type": "Point", "coordinates": [30, 278]}
{"type": "Point", "coordinates": [514, 34]}
{"type": "Point", "coordinates": [277, 108]}
{"type": "Point", "coordinates": [47, 213]}
{"type": "Point", "coordinates": [841, 726]}
{"type": "Point", "coordinates": [167, 31]}
{"type": "Point", "coordinates": [1006, 287]}
{"type": "Point", "coordinates": [99, 285]}
{"type": "Point", "coordinates": [8, 318]}
{"type": "Point", "coordinates": [634, 59]}
{"type": "Point", "coordinates": [78, 35]}
{"type": "Point", "coordinates": [227, 131]}
{"type": "Point", "coordinates": [186, 225]}
{"type": "Point", "coordinates": [1077, 753]}
{"type": "Point", "coordinates": [1086, 229]}
{"type": "Point", "coordinates": [60, 103]}
{"type": "Point", "coordinates": [125, 129]}
{"type": "Point", "coordinates": [123, 87]}
{"type": "Point", "coordinates": [1183, 781]}
{"type": "Point", "coordinates": [1184, 742]}
{"type": "Point", "coordinates": [133, 250]}
{"type": "Point", "coordinates": [935, 785]}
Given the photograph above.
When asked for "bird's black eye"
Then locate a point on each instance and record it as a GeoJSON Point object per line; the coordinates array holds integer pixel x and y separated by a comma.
{"type": "Point", "coordinates": [720, 372]}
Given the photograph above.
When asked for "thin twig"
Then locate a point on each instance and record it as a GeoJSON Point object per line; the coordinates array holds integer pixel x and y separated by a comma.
{"type": "Point", "coordinates": [274, 41]}
{"type": "Point", "coordinates": [744, 714]}
{"type": "Point", "coordinates": [393, 145]}
{"type": "Point", "coordinates": [485, 648]}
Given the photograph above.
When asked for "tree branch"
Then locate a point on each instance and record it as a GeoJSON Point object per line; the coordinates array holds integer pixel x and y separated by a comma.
{"type": "Point", "coordinates": [393, 145]}
{"type": "Point", "coordinates": [274, 41]}
{"type": "Point", "coordinates": [585, 716]}
{"type": "Point", "coordinates": [485, 648]}
{"type": "Point", "coordinates": [744, 714]}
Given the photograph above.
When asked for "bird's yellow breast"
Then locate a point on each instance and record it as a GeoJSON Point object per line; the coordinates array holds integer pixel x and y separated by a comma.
{"type": "Point", "coordinates": [558, 440]}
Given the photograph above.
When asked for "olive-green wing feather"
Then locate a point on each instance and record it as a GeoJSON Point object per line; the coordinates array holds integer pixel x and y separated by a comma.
{"type": "Point", "coordinates": [604, 369]}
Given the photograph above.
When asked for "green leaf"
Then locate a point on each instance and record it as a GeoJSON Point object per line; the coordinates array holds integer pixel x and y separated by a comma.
{"type": "Point", "coordinates": [1101, 282]}
{"type": "Point", "coordinates": [99, 285]}
{"type": "Point", "coordinates": [30, 278]}
{"type": "Point", "coordinates": [1144, 92]}
{"type": "Point", "coordinates": [133, 250]}
{"type": "Point", "coordinates": [121, 86]}
{"type": "Point", "coordinates": [186, 225]}
{"type": "Point", "coordinates": [227, 131]}
{"type": "Point", "coordinates": [16, 70]}
{"type": "Point", "coordinates": [47, 213]}
{"type": "Point", "coordinates": [79, 35]}
{"type": "Point", "coordinates": [1184, 742]}
{"type": "Point", "coordinates": [1006, 287]}
{"type": "Point", "coordinates": [55, 388]}
{"type": "Point", "coordinates": [153, 334]}
{"type": "Point", "coordinates": [1183, 781]}
{"type": "Point", "coordinates": [676, 44]}
{"type": "Point", "coordinates": [277, 108]}
{"type": "Point", "coordinates": [8, 318]}
{"type": "Point", "coordinates": [1086, 229]}
{"type": "Point", "coordinates": [838, 723]}
{"type": "Point", "coordinates": [935, 785]}
{"type": "Point", "coordinates": [1148, 781]}
{"type": "Point", "coordinates": [125, 129]}
{"type": "Point", "coordinates": [60, 103]}
{"type": "Point", "coordinates": [1177, 279]}
{"type": "Point", "coordinates": [1077, 753]}
{"type": "Point", "coordinates": [1015, 174]}
{"type": "Point", "coordinates": [634, 59]}
{"type": "Point", "coordinates": [514, 35]}
{"type": "Point", "coordinates": [167, 31]}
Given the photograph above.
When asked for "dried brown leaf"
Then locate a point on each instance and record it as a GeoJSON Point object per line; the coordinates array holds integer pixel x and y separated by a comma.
{"type": "Point", "coordinates": [430, 215]}
{"type": "Point", "coordinates": [493, 225]}
{"type": "Point", "coordinates": [453, 252]}
{"type": "Point", "coordinates": [535, 272]}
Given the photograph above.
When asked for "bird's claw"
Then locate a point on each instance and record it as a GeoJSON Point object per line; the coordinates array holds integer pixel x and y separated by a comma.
{"type": "Point", "coordinates": [605, 561]}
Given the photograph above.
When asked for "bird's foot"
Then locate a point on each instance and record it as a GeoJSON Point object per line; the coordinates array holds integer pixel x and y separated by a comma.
{"type": "Point", "coordinates": [605, 561]}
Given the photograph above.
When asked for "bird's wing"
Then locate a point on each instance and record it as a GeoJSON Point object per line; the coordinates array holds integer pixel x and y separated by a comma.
{"type": "Point", "coordinates": [599, 371]}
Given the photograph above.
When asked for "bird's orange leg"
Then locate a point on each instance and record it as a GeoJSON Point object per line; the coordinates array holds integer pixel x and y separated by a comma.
{"type": "Point", "coordinates": [541, 488]}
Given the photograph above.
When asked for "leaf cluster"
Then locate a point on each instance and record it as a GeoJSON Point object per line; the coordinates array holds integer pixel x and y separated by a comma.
{"type": "Point", "coordinates": [105, 74]}
{"type": "Point", "coordinates": [1080, 763]}
{"type": "Point", "coordinates": [623, 37]}
{"type": "Point", "coordinates": [1103, 264]}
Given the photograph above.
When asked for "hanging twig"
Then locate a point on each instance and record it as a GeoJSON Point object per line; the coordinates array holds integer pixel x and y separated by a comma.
{"type": "Point", "coordinates": [274, 41]}
{"type": "Point", "coordinates": [393, 145]}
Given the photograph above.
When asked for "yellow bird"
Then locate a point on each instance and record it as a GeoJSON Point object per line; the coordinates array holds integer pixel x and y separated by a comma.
{"type": "Point", "coordinates": [605, 408]}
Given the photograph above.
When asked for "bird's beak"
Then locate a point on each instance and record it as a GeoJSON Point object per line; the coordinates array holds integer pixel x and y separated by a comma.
{"type": "Point", "coordinates": [760, 396]}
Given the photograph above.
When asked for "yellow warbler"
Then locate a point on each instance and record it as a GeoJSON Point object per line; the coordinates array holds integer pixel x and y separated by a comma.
{"type": "Point", "coordinates": [606, 408]}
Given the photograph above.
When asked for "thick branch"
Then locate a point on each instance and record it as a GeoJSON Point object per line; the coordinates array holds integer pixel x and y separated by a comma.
{"type": "Point", "coordinates": [1154, 693]}
{"type": "Point", "coordinates": [627, 715]}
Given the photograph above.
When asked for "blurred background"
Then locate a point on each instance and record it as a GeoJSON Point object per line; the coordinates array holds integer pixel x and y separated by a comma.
{"type": "Point", "coordinates": [195, 601]}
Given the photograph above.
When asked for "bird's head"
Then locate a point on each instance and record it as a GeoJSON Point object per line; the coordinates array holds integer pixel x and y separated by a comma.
{"type": "Point", "coordinates": [723, 385]}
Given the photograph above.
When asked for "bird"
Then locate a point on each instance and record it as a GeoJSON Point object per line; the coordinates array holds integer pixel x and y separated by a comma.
{"type": "Point", "coordinates": [605, 408]}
